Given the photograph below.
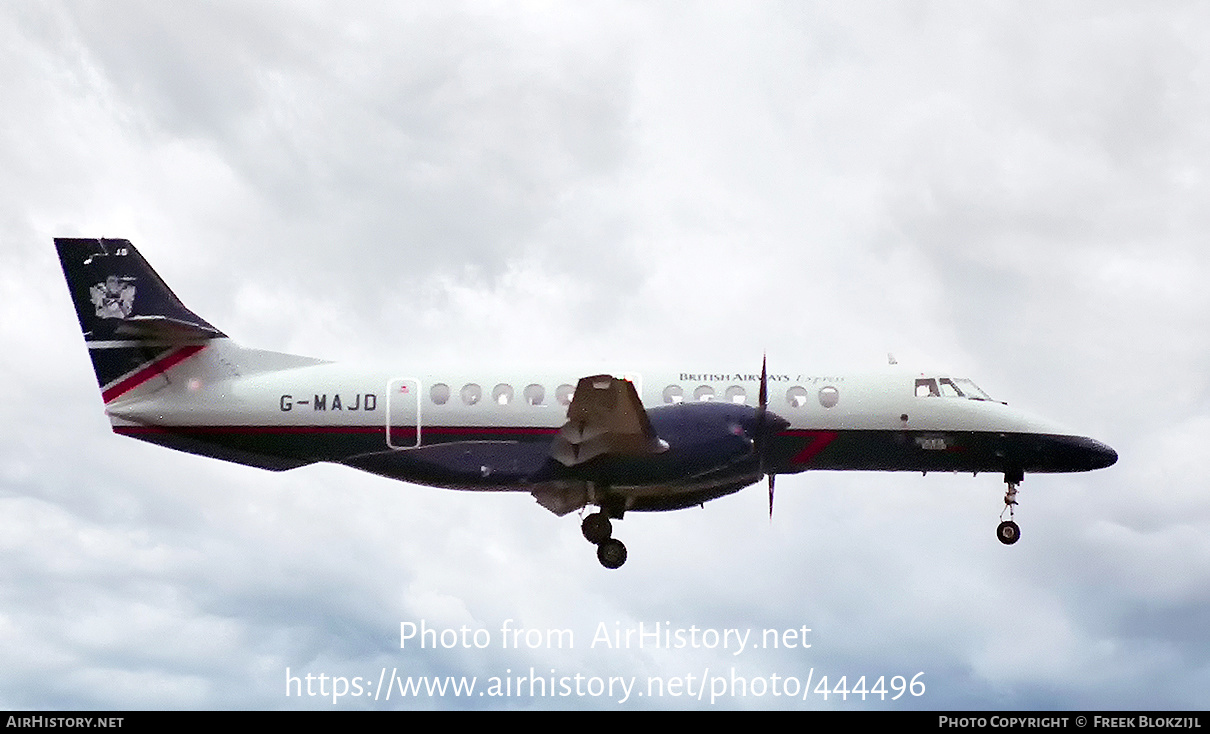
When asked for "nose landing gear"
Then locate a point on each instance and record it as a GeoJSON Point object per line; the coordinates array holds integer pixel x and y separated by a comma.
{"type": "Point", "coordinates": [1008, 531]}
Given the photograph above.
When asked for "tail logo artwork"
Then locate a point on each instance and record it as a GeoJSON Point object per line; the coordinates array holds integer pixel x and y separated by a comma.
{"type": "Point", "coordinates": [113, 297]}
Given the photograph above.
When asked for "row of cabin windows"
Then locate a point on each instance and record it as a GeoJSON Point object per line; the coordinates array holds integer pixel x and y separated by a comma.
{"type": "Point", "coordinates": [534, 394]}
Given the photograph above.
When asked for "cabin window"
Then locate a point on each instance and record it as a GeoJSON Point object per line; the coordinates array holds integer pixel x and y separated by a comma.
{"type": "Point", "coordinates": [471, 393]}
{"type": "Point", "coordinates": [564, 393]}
{"type": "Point", "coordinates": [796, 396]}
{"type": "Point", "coordinates": [502, 394]}
{"type": "Point", "coordinates": [703, 394]}
{"type": "Point", "coordinates": [440, 393]}
{"type": "Point", "coordinates": [673, 394]}
{"type": "Point", "coordinates": [736, 394]}
{"type": "Point", "coordinates": [534, 394]}
{"type": "Point", "coordinates": [829, 396]}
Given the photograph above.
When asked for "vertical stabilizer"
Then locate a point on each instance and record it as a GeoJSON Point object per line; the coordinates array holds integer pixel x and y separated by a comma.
{"type": "Point", "coordinates": [135, 327]}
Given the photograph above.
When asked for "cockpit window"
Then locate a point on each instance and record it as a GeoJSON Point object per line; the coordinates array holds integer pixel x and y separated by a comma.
{"type": "Point", "coordinates": [949, 387]}
{"type": "Point", "coordinates": [970, 389]}
{"type": "Point", "coordinates": [926, 387]}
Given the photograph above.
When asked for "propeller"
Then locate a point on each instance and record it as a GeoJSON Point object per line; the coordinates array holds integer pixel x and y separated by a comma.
{"type": "Point", "coordinates": [762, 429]}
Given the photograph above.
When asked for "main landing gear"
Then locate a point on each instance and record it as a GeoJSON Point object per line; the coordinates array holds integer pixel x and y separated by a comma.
{"type": "Point", "coordinates": [598, 530]}
{"type": "Point", "coordinates": [1008, 531]}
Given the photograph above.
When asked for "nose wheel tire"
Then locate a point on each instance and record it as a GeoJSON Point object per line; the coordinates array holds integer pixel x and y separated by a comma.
{"type": "Point", "coordinates": [1008, 532]}
{"type": "Point", "coordinates": [611, 553]}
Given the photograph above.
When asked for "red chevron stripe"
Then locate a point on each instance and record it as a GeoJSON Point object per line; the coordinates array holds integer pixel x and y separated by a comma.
{"type": "Point", "coordinates": [819, 441]}
{"type": "Point", "coordinates": [152, 369]}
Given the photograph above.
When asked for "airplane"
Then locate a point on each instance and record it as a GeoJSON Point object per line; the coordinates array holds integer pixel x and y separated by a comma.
{"type": "Point", "coordinates": [630, 442]}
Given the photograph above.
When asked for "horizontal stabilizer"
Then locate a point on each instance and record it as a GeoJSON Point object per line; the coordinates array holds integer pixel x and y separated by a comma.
{"type": "Point", "coordinates": [165, 328]}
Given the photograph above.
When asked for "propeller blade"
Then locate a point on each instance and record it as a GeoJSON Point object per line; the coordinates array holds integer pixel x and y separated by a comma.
{"type": "Point", "coordinates": [771, 478]}
{"type": "Point", "coordinates": [760, 440]}
{"type": "Point", "coordinates": [763, 401]}
{"type": "Point", "coordinates": [762, 408]}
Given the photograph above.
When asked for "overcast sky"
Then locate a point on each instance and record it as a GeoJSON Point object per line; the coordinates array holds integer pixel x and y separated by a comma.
{"type": "Point", "coordinates": [1012, 192]}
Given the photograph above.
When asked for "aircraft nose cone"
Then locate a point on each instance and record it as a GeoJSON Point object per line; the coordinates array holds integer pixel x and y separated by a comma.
{"type": "Point", "coordinates": [1080, 453]}
{"type": "Point", "coordinates": [1101, 455]}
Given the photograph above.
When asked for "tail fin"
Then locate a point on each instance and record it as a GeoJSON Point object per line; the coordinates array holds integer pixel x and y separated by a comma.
{"type": "Point", "coordinates": [134, 325]}
{"type": "Point", "coordinates": [154, 356]}
{"type": "Point", "coordinates": [118, 295]}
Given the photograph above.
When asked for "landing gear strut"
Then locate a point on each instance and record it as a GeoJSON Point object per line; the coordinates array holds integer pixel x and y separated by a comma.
{"type": "Point", "coordinates": [598, 530]}
{"type": "Point", "coordinates": [1008, 531]}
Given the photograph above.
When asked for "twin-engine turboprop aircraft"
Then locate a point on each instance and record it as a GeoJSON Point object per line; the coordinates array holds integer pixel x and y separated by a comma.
{"type": "Point", "coordinates": [620, 443]}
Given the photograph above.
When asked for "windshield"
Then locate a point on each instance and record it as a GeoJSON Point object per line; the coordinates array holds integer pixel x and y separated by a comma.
{"type": "Point", "coordinates": [970, 389]}
{"type": "Point", "coordinates": [949, 387]}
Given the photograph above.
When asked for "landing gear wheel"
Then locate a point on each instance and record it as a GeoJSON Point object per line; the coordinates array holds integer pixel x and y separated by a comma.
{"type": "Point", "coordinates": [611, 553]}
{"type": "Point", "coordinates": [1008, 532]}
{"type": "Point", "coordinates": [597, 529]}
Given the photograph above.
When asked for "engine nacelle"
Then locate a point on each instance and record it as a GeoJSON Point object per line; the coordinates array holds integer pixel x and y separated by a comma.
{"type": "Point", "coordinates": [709, 444]}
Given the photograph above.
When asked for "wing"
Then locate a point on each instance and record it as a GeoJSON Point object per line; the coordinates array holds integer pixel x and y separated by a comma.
{"type": "Point", "coordinates": [605, 417]}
